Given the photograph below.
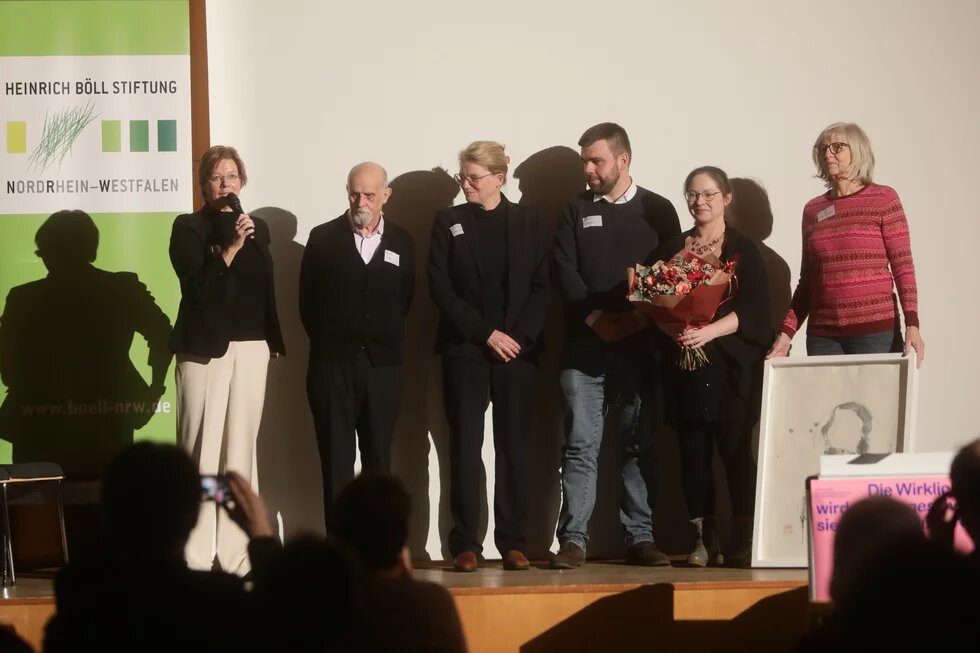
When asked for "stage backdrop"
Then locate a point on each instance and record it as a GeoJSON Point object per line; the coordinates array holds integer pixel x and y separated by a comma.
{"type": "Point", "coordinates": [306, 89]}
{"type": "Point", "coordinates": [95, 116]}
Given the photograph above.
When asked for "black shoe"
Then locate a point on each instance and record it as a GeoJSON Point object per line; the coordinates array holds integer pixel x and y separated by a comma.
{"type": "Point", "coordinates": [740, 558]}
{"type": "Point", "coordinates": [569, 556]}
{"type": "Point", "coordinates": [646, 554]}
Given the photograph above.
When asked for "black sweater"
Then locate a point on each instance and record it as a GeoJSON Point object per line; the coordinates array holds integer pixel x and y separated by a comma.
{"type": "Point", "coordinates": [346, 304]}
{"type": "Point", "coordinates": [595, 245]}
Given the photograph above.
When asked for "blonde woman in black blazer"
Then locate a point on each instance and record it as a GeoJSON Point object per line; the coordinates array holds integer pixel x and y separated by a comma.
{"type": "Point", "coordinates": [488, 274]}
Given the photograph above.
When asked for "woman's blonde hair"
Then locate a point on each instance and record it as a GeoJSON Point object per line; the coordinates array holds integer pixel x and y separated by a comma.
{"type": "Point", "coordinates": [862, 158]}
{"type": "Point", "coordinates": [489, 154]}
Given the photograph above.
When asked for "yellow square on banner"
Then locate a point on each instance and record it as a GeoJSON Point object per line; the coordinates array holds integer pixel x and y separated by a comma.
{"type": "Point", "coordinates": [16, 137]}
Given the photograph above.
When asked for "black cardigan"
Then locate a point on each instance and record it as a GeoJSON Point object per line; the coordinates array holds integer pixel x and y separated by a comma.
{"type": "Point", "coordinates": [456, 283]}
{"type": "Point", "coordinates": [346, 304]}
{"type": "Point", "coordinates": [209, 288]}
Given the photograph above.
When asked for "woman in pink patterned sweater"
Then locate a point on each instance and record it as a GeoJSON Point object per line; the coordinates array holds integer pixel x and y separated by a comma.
{"type": "Point", "coordinates": [855, 249]}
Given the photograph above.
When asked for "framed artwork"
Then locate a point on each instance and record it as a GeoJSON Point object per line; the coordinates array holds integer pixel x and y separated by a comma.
{"type": "Point", "coordinates": [815, 406]}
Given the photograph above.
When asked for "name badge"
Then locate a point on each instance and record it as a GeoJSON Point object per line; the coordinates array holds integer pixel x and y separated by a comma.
{"type": "Point", "coordinates": [456, 230]}
{"type": "Point", "coordinates": [592, 221]}
{"type": "Point", "coordinates": [826, 213]}
{"type": "Point", "coordinates": [391, 257]}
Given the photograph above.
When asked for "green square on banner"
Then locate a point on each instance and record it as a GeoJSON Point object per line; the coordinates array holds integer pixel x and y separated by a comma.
{"type": "Point", "coordinates": [166, 135]}
{"type": "Point", "coordinates": [111, 136]}
{"type": "Point", "coordinates": [16, 137]}
{"type": "Point", "coordinates": [139, 136]}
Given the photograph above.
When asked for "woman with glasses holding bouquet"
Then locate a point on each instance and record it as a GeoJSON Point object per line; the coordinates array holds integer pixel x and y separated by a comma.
{"type": "Point", "coordinates": [716, 400]}
{"type": "Point", "coordinates": [226, 329]}
{"type": "Point", "coordinates": [856, 246]}
{"type": "Point", "coordinates": [488, 275]}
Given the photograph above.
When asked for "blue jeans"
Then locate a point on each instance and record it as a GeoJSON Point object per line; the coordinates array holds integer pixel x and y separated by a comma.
{"type": "Point", "coordinates": [882, 342]}
{"type": "Point", "coordinates": [593, 380]}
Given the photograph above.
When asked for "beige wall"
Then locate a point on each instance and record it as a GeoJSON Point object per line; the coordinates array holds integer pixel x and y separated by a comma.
{"type": "Point", "coordinates": [306, 89]}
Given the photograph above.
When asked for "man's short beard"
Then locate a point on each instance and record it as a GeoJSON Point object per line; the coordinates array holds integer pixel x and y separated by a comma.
{"type": "Point", "coordinates": [608, 184]}
{"type": "Point", "coordinates": [361, 218]}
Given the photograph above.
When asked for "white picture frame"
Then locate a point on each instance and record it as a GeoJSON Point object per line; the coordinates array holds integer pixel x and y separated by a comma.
{"type": "Point", "coordinates": [822, 405]}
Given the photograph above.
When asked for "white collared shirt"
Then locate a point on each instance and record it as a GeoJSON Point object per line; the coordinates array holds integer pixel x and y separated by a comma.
{"type": "Point", "coordinates": [367, 245]}
{"type": "Point", "coordinates": [622, 199]}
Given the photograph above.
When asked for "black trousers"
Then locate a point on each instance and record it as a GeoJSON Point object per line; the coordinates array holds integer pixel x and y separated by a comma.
{"type": "Point", "coordinates": [467, 386]}
{"type": "Point", "coordinates": [347, 397]}
{"type": "Point", "coordinates": [717, 407]}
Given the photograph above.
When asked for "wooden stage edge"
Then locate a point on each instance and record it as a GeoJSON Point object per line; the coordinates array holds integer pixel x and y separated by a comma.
{"type": "Point", "coordinates": [603, 606]}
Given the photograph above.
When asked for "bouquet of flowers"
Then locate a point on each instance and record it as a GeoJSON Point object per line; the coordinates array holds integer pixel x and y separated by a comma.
{"type": "Point", "coordinates": [682, 291]}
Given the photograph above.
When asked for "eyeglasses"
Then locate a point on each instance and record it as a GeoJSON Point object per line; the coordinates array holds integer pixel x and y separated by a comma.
{"type": "Point", "coordinates": [232, 178]}
{"type": "Point", "coordinates": [708, 195]}
{"type": "Point", "coordinates": [834, 148]}
{"type": "Point", "coordinates": [459, 179]}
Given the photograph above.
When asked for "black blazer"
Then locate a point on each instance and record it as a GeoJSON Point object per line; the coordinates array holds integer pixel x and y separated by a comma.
{"type": "Point", "coordinates": [346, 304]}
{"type": "Point", "coordinates": [456, 283]}
{"type": "Point", "coordinates": [209, 288]}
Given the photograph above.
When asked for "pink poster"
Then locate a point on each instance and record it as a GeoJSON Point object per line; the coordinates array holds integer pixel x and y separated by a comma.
{"type": "Point", "coordinates": [830, 498]}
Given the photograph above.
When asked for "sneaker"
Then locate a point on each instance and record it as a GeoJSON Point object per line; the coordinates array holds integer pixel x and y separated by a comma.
{"type": "Point", "coordinates": [646, 554]}
{"type": "Point", "coordinates": [569, 556]}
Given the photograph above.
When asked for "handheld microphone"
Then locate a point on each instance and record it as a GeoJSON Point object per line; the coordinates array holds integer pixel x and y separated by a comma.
{"type": "Point", "coordinates": [236, 206]}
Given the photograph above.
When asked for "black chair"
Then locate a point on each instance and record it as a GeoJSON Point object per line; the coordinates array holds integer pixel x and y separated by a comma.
{"type": "Point", "coordinates": [18, 475]}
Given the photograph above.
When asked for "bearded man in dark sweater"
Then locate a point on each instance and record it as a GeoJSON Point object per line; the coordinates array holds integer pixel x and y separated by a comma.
{"type": "Point", "coordinates": [357, 280]}
{"type": "Point", "coordinates": [608, 360]}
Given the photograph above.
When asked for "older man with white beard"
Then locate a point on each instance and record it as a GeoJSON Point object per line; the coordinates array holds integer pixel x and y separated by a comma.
{"type": "Point", "coordinates": [356, 286]}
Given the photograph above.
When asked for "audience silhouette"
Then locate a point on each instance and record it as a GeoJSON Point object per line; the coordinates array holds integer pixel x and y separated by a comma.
{"type": "Point", "coordinates": [893, 589]}
{"type": "Point", "coordinates": [964, 475]}
{"type": "Point", "coordinates": [310, 598]}
{"type": "Point", "coordinates": [401, 614]}
{"type": "Point", "coordinates": [142, 596]}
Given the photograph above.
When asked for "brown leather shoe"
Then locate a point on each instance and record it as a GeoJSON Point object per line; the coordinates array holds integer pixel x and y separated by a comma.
{"type": "Point", "coordinates": [465, 561]}
{"type": "Point", "coordinates": [514, 560]}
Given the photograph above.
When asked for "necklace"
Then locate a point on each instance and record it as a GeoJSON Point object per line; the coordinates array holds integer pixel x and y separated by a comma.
{"type": "Point", "coordinates": [700, 249]}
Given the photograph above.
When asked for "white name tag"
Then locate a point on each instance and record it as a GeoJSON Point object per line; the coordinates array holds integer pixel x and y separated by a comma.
{"type": "Point", "coordinates": [456, 230]}
{"type": "Point", "coordinates": [826, 213]}
{"type": "Point", "coordinates": [391, 257]}
{"type": "Point", "coordinates": [592, 221]}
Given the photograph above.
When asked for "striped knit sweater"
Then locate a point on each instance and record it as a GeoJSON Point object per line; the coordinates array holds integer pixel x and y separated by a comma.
{"type": "Point", "coordinates": [845, 283]}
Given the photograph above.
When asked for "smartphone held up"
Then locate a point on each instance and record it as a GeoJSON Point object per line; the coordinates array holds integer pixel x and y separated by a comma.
{"type": "Point", "coordinates": [215, 488]}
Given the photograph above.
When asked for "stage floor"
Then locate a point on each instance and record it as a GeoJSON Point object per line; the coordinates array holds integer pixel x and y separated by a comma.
{"type": "Point", "coordinates": [596, 576]}
{"type": "Point", "coordinates": [490, 577]}
{"type": "Point", "coordinates": [601, 606]}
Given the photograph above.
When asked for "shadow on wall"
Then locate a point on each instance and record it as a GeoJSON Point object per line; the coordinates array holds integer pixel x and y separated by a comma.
{"type": "Point", "coordinates": [643, 619]}
{"type": "Point", "coordinates": [287, 453]}
{"type": "Point", "coordinates": [74, 396]}
{"type": "Point", "coordinates": [547, 179]}
{"type": "Point", "coordinates": [751, 213]}
{"type": "Point", "coordinates": [415, 198]}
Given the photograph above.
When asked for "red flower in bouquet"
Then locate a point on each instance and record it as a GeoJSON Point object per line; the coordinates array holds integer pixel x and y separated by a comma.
{"type": "Point", "coordinates": [685, 290]}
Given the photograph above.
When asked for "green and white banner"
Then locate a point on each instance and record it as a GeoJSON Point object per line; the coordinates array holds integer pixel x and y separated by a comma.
{"type": "Point", "coordinates": [95, 115]}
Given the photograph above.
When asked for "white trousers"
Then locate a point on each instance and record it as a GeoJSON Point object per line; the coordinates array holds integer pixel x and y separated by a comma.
{"type": "Point", "coordinates": [219, 407]}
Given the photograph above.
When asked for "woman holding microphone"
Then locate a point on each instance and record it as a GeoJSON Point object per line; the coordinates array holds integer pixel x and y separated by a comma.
{"type": "Point", "coordinates": [227, 328]}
